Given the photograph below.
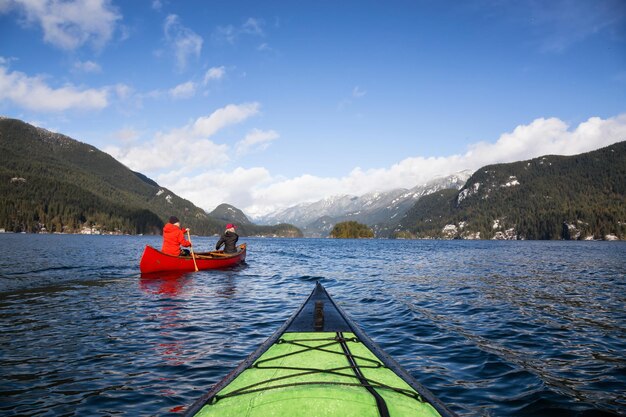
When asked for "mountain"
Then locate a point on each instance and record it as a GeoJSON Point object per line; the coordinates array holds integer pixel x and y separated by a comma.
{"type": "Point", "coordinates": [305, 213]}
{"type": "Point", "coordinates": [550, 197]}
{"type": "Point", "coordinates": [320, 227]}
{"type": "Point", "coordinates": [50, 182]}
{"type": "Point", "coordinates": [230, 214]}
{"type": "Point", "coordinates": [373, 209]}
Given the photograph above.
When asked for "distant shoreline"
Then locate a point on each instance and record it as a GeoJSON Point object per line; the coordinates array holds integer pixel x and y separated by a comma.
{"type": "Point", "coordinates": [612, 238]}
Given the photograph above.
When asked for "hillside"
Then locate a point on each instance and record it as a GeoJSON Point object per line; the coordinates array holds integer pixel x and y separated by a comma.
{"type": "Point", "coordinates": [230, 214]}
{"type": "Point", "coordinates": [551, 197]}
{"type": "Point", "coordinates": [52, 183]}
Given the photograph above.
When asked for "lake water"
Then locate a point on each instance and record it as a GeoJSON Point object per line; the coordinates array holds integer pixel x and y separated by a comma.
{"type": "Point", "coordinates": [491, 328]}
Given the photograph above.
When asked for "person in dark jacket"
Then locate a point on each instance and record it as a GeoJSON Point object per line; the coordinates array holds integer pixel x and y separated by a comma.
{"type": "Point", "coordinates": [229, 239]}
{"type": "Point", "coordinates": [174, 237]}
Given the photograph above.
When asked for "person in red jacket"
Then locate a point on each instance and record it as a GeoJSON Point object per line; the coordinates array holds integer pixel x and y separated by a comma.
{"type": "Point", "coordinates": [174, 237]}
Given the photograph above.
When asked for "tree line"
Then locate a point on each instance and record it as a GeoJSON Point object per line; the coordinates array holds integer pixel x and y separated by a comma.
{"type": "Point", "coordinates": [351, 230]}
{"type": "Point", "coordinates": [52, 183]}
{"type": "Point", "coordinates": [552, 197]}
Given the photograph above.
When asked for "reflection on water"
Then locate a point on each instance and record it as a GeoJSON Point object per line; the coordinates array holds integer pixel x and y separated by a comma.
{"type": "Point", "coordinates": [164, 283]}
{"type": "Point", "coordinates": [492, 328]}
{"type": "Point", "coordinates": [170, 317]}
{"type": "Point", "coordinates": [168, 286]}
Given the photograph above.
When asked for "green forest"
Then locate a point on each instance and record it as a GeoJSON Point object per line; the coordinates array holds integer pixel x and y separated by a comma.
{"type": "Point", "coordinates": [351, 230]}
{"type": "Point", "coordinates": [52, 183]}
{"type": "Point", "coordinates": [551, 197]}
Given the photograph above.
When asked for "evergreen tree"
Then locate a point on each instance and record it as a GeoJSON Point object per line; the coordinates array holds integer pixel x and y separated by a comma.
{"type": "Point", "coordinates": [551, 197]}
{"type": "Point", "coordinates": [351, 230]}
{"type": "Point", "coordinates": [52, 183]}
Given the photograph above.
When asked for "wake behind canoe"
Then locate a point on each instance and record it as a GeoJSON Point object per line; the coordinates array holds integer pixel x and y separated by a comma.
{"type": "Point", "coordinates": [319, 363]}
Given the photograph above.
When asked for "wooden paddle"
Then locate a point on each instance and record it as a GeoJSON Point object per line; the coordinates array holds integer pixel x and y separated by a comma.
{"type": "Point", "coordinates": [193, 256]}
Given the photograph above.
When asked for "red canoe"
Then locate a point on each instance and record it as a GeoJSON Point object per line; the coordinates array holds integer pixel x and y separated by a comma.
{"type": "Point", "coordinates": [154, 260]}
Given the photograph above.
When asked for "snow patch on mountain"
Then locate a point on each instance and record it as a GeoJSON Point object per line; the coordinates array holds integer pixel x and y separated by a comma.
{"type": "Point", "coordinates": [468, 192]}
{"type": "Point", "coordinates": [511, 182]}
{"type": "Point", "coordinates": [371, 208]}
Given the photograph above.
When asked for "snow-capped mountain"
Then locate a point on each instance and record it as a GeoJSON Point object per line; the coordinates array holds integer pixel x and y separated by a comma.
{"type": "Point", "coordinates": [318, 218]}
{"type": "Point", "coordinates": [334, 206]}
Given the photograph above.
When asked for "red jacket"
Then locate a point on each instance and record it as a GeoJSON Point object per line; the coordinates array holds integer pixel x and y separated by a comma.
{"type": "Point", "coordinates": [173, 237]}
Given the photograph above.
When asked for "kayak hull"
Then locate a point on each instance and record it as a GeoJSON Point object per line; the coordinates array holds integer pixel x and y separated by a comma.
{"type": "Point", "coordinates": [154, 260]}
{"type": "Point", "coordinates": [319, 363]}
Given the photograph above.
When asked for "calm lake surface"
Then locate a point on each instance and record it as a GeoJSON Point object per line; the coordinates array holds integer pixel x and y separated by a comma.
{"type": "Point", "coordinates": [492, 328]}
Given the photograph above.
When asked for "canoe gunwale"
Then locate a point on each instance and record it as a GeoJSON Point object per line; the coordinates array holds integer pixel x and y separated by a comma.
{"type": "Point", "coordinates": [387, 360]}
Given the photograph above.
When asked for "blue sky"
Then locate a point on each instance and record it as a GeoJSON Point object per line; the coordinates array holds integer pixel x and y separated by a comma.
{"type": "Point", "coordinates": [268, 104]}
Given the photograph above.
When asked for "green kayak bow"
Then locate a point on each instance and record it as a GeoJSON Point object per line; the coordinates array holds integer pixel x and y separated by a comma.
{"type": "Point", "coordinates": [319, 363]}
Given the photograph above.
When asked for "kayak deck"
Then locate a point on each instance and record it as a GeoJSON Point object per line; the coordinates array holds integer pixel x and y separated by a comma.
{"type": "Point", "coordinates": [279, 384]}
{"type": "Point", "coordinates": [319, 363]}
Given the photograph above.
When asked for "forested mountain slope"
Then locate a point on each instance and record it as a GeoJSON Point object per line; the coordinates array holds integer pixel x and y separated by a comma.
{"type": "Point", "coordinates": [52, 183]}
{"type": "Point", "coordinates": [551, 197]}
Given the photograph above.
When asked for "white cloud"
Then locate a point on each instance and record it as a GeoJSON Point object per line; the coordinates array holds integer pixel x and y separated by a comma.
{"type": "Point", "coordinates": [540, 137]}
{"type": "Point", "coordinates": [123, 91]}
{"type": "Point", "coordinates": [196, 168]}
{"type": "Point", "coordinates": [256, 140]}
{"type": "Point", "coordinates": [34, 94]}
{"type": "Point", "coordinates": [216, 186]}
{"type": "Point", "coordinates": [215, 73]}
{"type": "Point", "coordinates": [253, 26]}
{"type": "Point", "coordinates": [69, 24]}
{"type": "Point", "coordinates": [230, 33]}
{"type": "Point", "coordinates": [126, 135]}
{"type": "Point", "coordinates": [549, 136]}
{"type": "Point", "coordinates": [186, 44]}
{"type": "Point", "coordinates": [181, 91]}
{"type": "Point", "coordinates": [225, 34]}
{"type": "Point", "coordinates": [184, 90]}
{"type": "Point", "coordinates": [87, 66]}
{"type": "Point", "coordinates": [231, 114]}
{"type": "Point", "coordinates": [188, 147]}
{"type": "Point", "coordinates": [170, 150]}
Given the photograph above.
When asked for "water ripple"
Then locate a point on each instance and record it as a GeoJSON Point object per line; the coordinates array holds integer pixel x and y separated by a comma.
{"type": "Point", "coordinates": [492, 328]}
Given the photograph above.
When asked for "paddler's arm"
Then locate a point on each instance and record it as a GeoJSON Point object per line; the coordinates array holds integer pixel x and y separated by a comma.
{"type": "Point", "coordinates": [182, 239]}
